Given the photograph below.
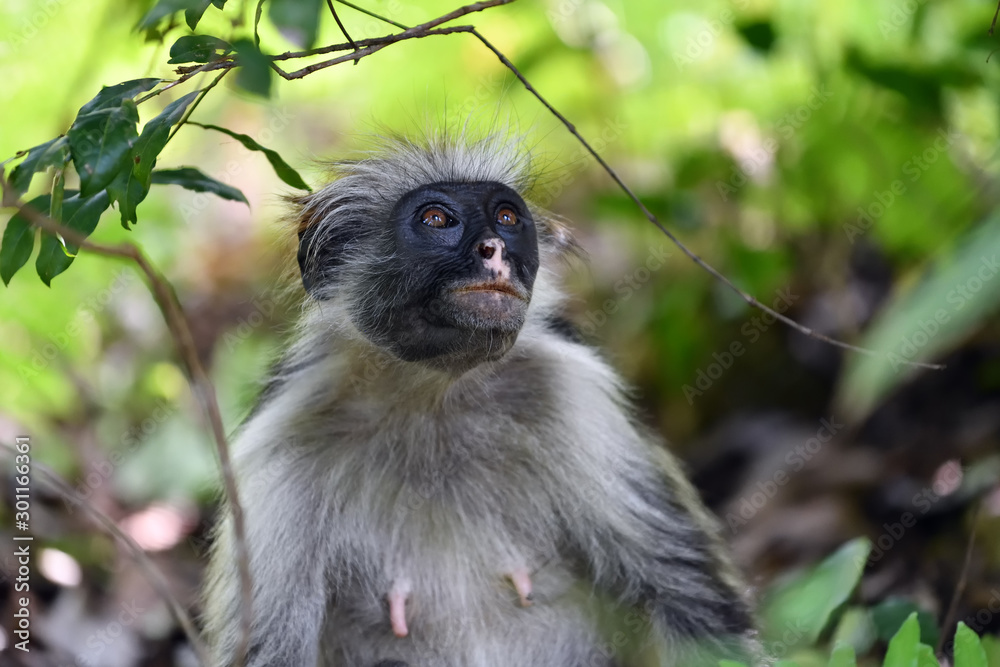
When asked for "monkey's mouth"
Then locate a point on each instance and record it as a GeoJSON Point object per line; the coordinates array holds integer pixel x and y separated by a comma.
{"type": "Point", "coordinates": [495, 287]}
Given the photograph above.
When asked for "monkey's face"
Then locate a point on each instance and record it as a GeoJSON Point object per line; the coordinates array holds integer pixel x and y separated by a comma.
{"type": "Point", "coordinates": [453, 289]}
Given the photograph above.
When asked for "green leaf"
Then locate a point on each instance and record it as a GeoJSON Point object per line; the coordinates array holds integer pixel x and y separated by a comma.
{"type": "Point", "coordinates": [154, 137]}
{"type": "Point", "coordinates": [890, 614]}
{"type": "Point", "coordinates": [856, 629]}
{"type": "Point", "coordinates": [804, 605]}
{"type": "Point", "coordinates": [80, 214]}
{"type": "Point", "coordinates": [192, 179]}
{"type": "Point", "coordinates": [956, 295]}
{"type": "Point", "coordinates": [165, 8]}
{"type": "Point", "coordinates": [54, 153]}
{"type": "Point", "coordinates": [128, 191]}
{"type": "Point", "coordinates": [113, 96]}
{"type": "Point", "coordinates": [58, 194]}
{"type": "Point", "coordinates": [926, 657]}
{"type": "Point", "coordinates": [903, 647]}
{"type": "Point", "coordinates": [100, 141]}
{"type": "Point", "coordinates": [194, 14]}
{"type": "Point", "coordinates": [730, 663]}
{"type": "Point", "coordinates": [131, 185]}
{"type": "Point", "coordinates": [281, 168]}
{"type": "Point", "coordinates": [219, 4]}
{"type": "Point", "coordinates": [968, 651]}
{"type": "Point", "coordinates": [843, 656]}
{"type": "Point", "coordinates": [297, 20]}
{"type": "Point", "coordinates": [991, 647]}
{"type": "Point", "coordinates": [19, 240]}
{"type": "Point", "coordinates": [198, 49]}
{"type": "Point", "coordinates": [254, 72]}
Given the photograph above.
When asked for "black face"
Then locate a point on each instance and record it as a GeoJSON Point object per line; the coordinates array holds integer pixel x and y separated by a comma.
{"type": "Point", "coordinates": [455, 287]}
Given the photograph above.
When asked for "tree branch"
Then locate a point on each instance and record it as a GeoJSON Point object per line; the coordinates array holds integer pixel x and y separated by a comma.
{"type": "Point", "coordinates": [333, 10]}
{"type": "Point", "coordinates": [201, 385]}
{"type": "Point", "coordinates": [715, 273]}
{"type": "Point", "coordinates": [153, 574]}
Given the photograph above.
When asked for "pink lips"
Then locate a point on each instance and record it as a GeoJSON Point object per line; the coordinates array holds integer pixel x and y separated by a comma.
{"type": "Point", "coordinates": [502, 287]}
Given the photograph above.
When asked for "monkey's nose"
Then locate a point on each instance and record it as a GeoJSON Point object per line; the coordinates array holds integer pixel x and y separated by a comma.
{"type": "Point", "coordinates": [488, 248]}
{"type": "Point", "coordinates": [491, 250]}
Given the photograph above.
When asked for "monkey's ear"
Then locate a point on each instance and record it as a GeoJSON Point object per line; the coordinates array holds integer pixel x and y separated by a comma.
{"type": "Point", "coordinates": [560, 236]}
{"type": "Point", "coordinates": [322, 251]}
{"type": "Point", "coordinates": [309, 267]}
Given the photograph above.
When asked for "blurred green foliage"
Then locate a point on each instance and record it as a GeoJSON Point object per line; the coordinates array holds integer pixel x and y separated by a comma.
{"type": "Point", "coordinates": [782, 140]}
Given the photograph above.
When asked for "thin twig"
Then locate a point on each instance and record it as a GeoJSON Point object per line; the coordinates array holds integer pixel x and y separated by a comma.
{"type": "Point", "coordinates": [750, 299]}
{"type": "Point", "coordinates": [153, 574]}
{"type": "Point", "coordinates": [333, 10]}
{"type": "Point", "coordinates": [372, 14]}
{"type": "Point", "coordinates": [194, 105]}
{"type": "Point", "coordinates": [677, 242]}
{"type": "Point", "coordinates": [187, 75]}
{"type": "Point", "coordinates": [995, 15]}
{"type": "Point", "coordinates": [416, 32]}
{"type": "Point", "coordinates": [382, 43]}
{"type": "Point", "coordinates": [201, 385]}
{"type": "Point", "coordinates": [963, 579]}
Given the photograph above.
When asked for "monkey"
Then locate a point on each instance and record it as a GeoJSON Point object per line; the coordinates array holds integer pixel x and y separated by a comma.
{"type": "Point", "coordinates": [438, 472]}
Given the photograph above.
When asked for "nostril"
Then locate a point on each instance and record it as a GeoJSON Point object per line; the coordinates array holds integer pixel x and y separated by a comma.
{"type": "Point", "coordinates": [486, 250]}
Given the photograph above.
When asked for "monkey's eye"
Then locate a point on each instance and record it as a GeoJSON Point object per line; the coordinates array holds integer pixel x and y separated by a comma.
{"type": "Point", "coordinates": [506, 217]}
{"type": "Point", "coordinates": [434, 217]}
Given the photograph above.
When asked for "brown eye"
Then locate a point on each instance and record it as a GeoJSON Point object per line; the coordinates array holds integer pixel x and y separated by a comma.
{"type": "Point", "coordinates": [506, 217]}
{"type": "Point", "coordinates": [434, 217]}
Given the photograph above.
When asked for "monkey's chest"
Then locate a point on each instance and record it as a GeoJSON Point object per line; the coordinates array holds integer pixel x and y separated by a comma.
{"type": "Point", "coordinates": [463, 553]}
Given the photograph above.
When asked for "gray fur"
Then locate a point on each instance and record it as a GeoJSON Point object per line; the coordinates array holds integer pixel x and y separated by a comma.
{"type": "Point", "coordinates": [359, 469]}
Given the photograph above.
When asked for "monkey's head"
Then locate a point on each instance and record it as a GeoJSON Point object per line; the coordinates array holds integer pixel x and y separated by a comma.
{"type": "Point", "coordinates": [430, 250]}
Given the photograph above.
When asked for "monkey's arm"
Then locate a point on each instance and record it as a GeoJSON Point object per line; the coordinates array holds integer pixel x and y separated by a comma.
{"type": "Point", "coordinates": [655, 558]}
{"type": "Point", "coordinates": [283, 528]}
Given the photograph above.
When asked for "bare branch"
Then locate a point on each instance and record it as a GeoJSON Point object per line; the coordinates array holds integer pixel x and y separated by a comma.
{"type": "Point", "coordinates": [153, 574]}
{"type": "Point", "coordinates": [715, 273]}
{"type": "Point", "coordinates": [378, 46]}
{"type": "Point", "coordinates": [194, 105]}
{"type": "Point", "coordinates": [333, 10]}
{"type": "Point", "coordinates": [201, 385]}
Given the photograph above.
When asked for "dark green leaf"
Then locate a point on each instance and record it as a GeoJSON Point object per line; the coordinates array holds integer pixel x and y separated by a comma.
{"type": "Point", "coordinates": [154, 137]}
{"type": "Point", "coordinates": [254, 73]}
{"type": "Point", "coordinates": [298, 20]}
{"type": "Point", "coordinates": [192, 179]}
{"type": "Point", "coordinates": [100, 142]}
{"type": "Point", "coordinates": [281, 168]}
{"type": "Point", "coordinates": [113, 96]}
{"type": "Point", "coordinates": [903, 648]}
{"type": "Point", "coordinates": [58, 193]}
{"type": "Point", "coordinates": [53, 153]}
{"type": "Point", "coordinates": [197, 49]}
{"type": "Point", "coordinates": [131, 185]}
{"type": "Point", "coordinates": [165, 8]}
{"type": "Point", "coordinates": [19, 240]}
{"type": "Point", "coordinates": [219, 3]}
{"type": "Point", "coordinates": [128, 191]}
{"type": "Point", "coordinates": [758, 34]}
{"type": "Point", "coordinates": [890, 614]}
{"type": "Point", "coordinates": [80, 214]}
{"type": "Point", "coordinates": [193, 15]}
